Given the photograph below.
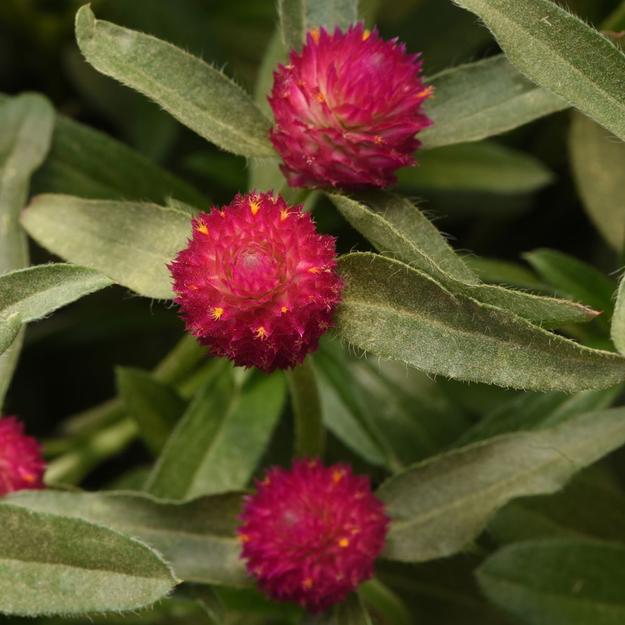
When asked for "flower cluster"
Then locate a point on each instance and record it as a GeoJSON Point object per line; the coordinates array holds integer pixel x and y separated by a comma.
{"type": "Point", "coordinates": [21, 463]}
{"type": "Point", "coordinates": [257, 283]}
{"type": "Point", "coordinates": [311, 534]}
{"type": "Point", "coordinates": [347, 109]}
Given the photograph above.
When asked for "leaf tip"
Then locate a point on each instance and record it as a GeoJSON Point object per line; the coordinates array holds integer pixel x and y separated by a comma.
{"type": "Point", "coordinates": [85, 24]}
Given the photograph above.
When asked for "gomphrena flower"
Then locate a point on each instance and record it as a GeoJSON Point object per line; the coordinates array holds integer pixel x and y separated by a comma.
{"type": "Point", "coordinates": [257, 283]}
{"type": "Point", "coordinates": [21, 463]}
{"type": "Point", "coordinates": [311, 534]}
{"type": "Point", "coordinates": [347, 109]}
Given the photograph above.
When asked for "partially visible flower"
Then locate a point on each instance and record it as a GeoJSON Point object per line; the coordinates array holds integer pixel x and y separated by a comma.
{"type": "Point", "coordinates": [257, 283]}
{"type": "Point", "coordinates": [311, 534]}
{"type": "Point", "coordinates": [21, 462]}
{"type": "Point", "coordinates": [347, 109]}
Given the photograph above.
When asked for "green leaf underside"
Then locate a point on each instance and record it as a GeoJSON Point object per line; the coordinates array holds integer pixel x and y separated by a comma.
{"type": "Point", "coordinates": [558, 51]}
{"type": "Point", "coordinates": [154, 405]}
{"type": "Point", "coordinates": [90, 164]}
{"type": "Point", "coordinates": [55, 565]}
{"type": "Point", "coordinates": [425, 501]}
{"type": "Point", "coordinates": [129, 242]}
{"type": "Point", "coordinates": [220, 439]}
{"type": "Point", "coordinates": [483, 99]}
{"type": "Point", "coordinates": [26, 123]}
{"type": "Point", "coordinates": [561, 581]}
{"type": "Point", "coordinates": [196, 94]}
{"type": "Point", "coordinates": [597, 159]}
{"type": "Point", "coordinates": [477, 167]}
{"type": "Point", "coordinates": [37, 291]}
{"type": "Point", "coordinates": [198, 538]}
{"type": "Point", "coordinates": [398, 229]}
{"type": "Point", "coordinates": [397, 312]}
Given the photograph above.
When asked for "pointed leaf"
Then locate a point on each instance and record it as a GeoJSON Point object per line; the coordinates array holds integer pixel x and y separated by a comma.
{"type": "Point", "coordinates": [195, 93]}
{"type": "Point", "coordinates": [440, 505]}
{"type": "Point", "coordinates": [558, 51]}
{"type": "Point", "coordinates": [560, 581]}
{"type": "Point", "coordinates": [55, 565]}
{"type": "Point", "coordinates": [35, 292]}
{"type": "Point", "coordinates": [129, 242]}
{"type": "Point", "coordinates": [483, 99]}
{"type": "Point", "coordinates": [198, 538]}
{"type": "Point", "coordinates": [398, 229]}
{"type": "Point", "coordinates": [396, 312]}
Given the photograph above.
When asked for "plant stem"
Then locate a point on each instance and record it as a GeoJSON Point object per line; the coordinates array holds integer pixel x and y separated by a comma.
{"type": "Point", "coordinates": [309, 431]}
{"type": "Point", "coordinates": [616, 20]}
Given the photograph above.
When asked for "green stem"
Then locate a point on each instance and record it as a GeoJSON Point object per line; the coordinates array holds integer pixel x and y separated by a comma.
{"type": "Point", "coordinates": [616, 20]}
{"type": "Point", "coordinates": [309, 431]}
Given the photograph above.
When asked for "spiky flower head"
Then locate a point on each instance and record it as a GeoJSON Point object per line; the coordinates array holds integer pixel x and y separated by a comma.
{"type": "Point", "coordinates": [311, 534]}
{"type": "Point", "coordinates": [21, 463]}
{"type": "Point", "coordinates": [257, 283]}
{"type": "Point", "coordinates": [347, 109]}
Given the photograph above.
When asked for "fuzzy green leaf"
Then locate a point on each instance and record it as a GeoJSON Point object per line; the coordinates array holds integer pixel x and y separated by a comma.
{"type": "Point", "coordinates": [398, 229]}
{"type": "Point", "coordinates": [9, 329]}
{"type": "Point", "coordinates": [54, 565]}
{"type": "Point", "coordinates": [561, 581]}
{"type": "Point", "coordinates": [196, 94]}
{"type": "Point", "coordinates": [198, 538]}
{"type": "Point", "coordinates": [441, 504]}
{"type": "Point", "coordinates": [26, 123]}
{"type": "Point", "coordinates": [400, 313]}
{"type": "Point", "coordinates": [483, 99]}
{"type": "Point", "coordinates": [479, 167]}
{"type": "Point", "coordinates": [37, 291]}
{"type": "Point", "coordinates": [597, 158]}
{"type": "Point", "coordinates": [90, 164]}
{"type": "Point", "coordinates": [558, 51]}
{"type": "Point", "coordinates": [129, 242]}
{"type": "Point", "coordinates": [154, 405]}
{"type": "Point", "coordinates": [617, 330]}
{"type": "Point", "coordinates": [220, 439]}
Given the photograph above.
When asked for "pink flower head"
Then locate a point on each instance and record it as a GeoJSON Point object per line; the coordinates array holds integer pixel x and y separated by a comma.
{"type": "Point", "coordinates": [21, 463]}
{"type": "Point", "coordinates": [257, 283]}
{"type": "Point", "coordinates": [347, 109]}
{"type": "Point", "coordinates": [311, 534]}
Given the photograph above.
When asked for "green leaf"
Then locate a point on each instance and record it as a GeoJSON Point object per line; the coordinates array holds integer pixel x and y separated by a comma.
{"type": "Point", "coordinates": [198, 538]}
{"type": "Point", "coordinates": [558, 582]}
{"type": "Point", "coordinates": [477, 167]}
{"type": "Point", "coordinates": [297, 17]}
{"type": "Point", "coordinates": [9, 329]}
{"type": "Point", "coordinates": [154, 405]}
{"type": "Point", "coordinates": [574, 278]}
{"type": "Point", "coordinates": [397, 229]}
{"type": "Point", "coordinates": [25, 132]}
{"type": "Point", "coordinates": [196, 94]}
{"type": "Point", "coordinates": [441, 504]}
{"type": "Point", "coordinates": [413, 319]}
{"type": "Point", "coordinates": [597, 158]}
{"type": "Point", "coordinates": [504, 272]}
{"type": "Point", "coordinates": [129, 242]}
{"type": "Point", "coordinates": [90, 164]}
{"type": "Point", "coordinates": [617, 330]}
{"type": "Point", "coordinates": [55, 565]}
{"type": "Point", "coordinates": [219, 441]}
{"type": "Point", "coordinates": [558, 51]}
{"type": "Point", "coordinates": [483, 99]}
{"type": "Point", "coordinates": [307, 413]}
{"type": "Point", "coordinates": [35, 292]}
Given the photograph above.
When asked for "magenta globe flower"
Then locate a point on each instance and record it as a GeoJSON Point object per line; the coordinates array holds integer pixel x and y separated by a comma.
{"type": "Point", "coordinates": [21, 462]}
{"type": "Point", "coordinates": [311, 534]}
{"type": "Point", "coordinates": [257, 283]}
{"type": "Point", "coordinates": [347, 109]}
